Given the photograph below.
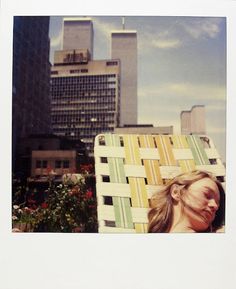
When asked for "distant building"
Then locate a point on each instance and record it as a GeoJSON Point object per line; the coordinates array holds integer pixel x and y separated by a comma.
{"type": "Point", "coordinates": [124, 47]}
{"type": "Point", "coordinates": [41, 143]}
{"type": "Point", "coordinates": [31, 79]}
{"type": "Point", "coordinates": [84, 96]}
{"type": "Point", "coordinates": [52, 162]}
{"type": "Point", "coordinates": [78, 34]}
{"type": "Point", "coordinates": [144, 129]}
{"type": "Point", "coordinates": [193, 121]}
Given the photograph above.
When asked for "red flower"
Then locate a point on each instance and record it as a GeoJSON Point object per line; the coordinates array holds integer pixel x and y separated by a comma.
{"type": "Point", "coordinates": [86, 168]}
{"type": "Point", "coordinates": [49, 169]}
{"type": "Point", "coordinates": [89, 194]}
{"type": "Point", "coordinates": [73, 170]}
{"type": "Point", "coordinates": [74, 191]}
{"type": "Point", "coordinates": [44, 205]}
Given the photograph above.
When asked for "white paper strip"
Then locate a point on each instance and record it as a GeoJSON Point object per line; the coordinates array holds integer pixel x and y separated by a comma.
{"type": "Point", "coordinates": [218, 170]}
{"type": "Point", "coordinates": [106, 212]}
{"type": "Point", "coordinates": [103, 169]}
{"type": "Point", "coordinates": [183, 154]}
{"type": "Point", "coordinates": [149, 153]}
{"type": "Point", "coordinates": [109, 151]}
{"type": "Point", "coordinates": [135, 171]}
{"type": "Point", "coordinates": [212, 153]}
{"type": "Point", "coordinates": [113, 189]}
{"type": "Point", "coordinates": [169, 172]}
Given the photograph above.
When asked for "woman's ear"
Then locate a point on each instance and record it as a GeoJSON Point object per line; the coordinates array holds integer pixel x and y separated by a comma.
{"type": "Point", "coordinates": [175, 192]}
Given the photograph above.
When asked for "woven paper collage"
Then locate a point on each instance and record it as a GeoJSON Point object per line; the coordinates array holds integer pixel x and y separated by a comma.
{"type": "Point", "coordinates": [130, 168]}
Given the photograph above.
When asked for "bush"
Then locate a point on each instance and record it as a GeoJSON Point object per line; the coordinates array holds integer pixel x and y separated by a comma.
{"type": "Point", "coordinates": [69, 207]}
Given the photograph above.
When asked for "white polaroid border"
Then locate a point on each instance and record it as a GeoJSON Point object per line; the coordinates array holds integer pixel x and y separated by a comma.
{"type": "Point", "coordinates": [105, 261]}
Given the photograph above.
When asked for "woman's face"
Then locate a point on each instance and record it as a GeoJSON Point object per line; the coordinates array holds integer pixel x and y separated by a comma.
{"type": "Point", "coordinates": [201, 201]}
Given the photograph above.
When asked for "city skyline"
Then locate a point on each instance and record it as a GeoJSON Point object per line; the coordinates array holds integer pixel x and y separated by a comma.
{"type": "Point", "coordinates": [181, 63]}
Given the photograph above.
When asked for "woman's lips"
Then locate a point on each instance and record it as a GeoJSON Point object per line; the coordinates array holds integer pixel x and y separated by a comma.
{"type": "Point", "coordinates": [209, 215]}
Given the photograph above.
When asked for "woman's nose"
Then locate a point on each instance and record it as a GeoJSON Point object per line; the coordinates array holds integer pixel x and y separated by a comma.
{"type": "Point", "coordinates": [213, 204]}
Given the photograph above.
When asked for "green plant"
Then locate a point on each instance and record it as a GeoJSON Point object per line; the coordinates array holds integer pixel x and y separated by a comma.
{"type": "Point", "coordinates": [70, 207]}
{"type": "Point", "coordinates": [23, 217]}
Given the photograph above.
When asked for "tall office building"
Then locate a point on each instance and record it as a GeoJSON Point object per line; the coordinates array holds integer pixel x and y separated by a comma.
{"type": "Point", "coordinates": [84, 96]}
{"type": "Point", "coordinates": [31, 78]}
{"type": "Point", "coordinates": [193, 121]}
{"type": "Point", "coordinates": [78, 34]}
{"type": "Point", "coordinates": [124, 47]}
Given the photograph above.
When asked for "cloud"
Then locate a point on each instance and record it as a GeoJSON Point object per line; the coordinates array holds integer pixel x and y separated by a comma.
{"type": "Point", "coordinates": [176, 34]}
{"type": "Point", "coordinates": [166, 43]}
{"type": "Point", "coordinates": [104, 28]}
{"type": "Point", "coordinates": [202, 27]}
{"type": "Point", "coordinates": [191, 91]}
{"type": "Point", "coordinates": [56, 41]}
{"type": "Point", "coordinates": [162, 40]}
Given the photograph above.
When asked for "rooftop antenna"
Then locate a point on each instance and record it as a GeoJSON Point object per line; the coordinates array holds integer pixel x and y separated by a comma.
{"type": "Point", "coordinates": [123, 23]}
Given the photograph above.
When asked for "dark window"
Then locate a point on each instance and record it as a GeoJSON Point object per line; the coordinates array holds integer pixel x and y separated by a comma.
{"type": "Point", "coordinates": [38, 164]}
{"type": "Point", "coordinates": [110, 223]}
{"type": "Point", "coordinates": [57, 164]}
{"type": "Point", "coordinates": [108, 200]}
{"type": "Point", "coordinates": [111, 63]}
{"type": "Point", "coordinates": [104, 160]}
{"type": "Point", "coordinates": [106, 179]}
{"type": "Point", "coordinates": [213, 161]}
{"type": "Point", "coordinates": [44, 164]}
{"type": "Point", "coordinates": [66, 164]}
{"type": "Point", "coordinates": [221, 179]}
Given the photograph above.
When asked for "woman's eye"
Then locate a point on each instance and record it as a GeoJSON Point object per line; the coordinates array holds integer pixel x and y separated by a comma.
{"type": "Point", "coordinates": [207, 195]}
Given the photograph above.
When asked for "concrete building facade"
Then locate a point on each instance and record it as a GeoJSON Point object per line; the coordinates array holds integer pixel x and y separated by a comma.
{"type": "Point", "coordinates": [144, 129]}
{"type": "Point", "coordinates": [78, 34]}
{"type": "Point", "coordinates": [194, 120]}
{"type": "Point", "coordinates": [124, 47]}
{"type": "Point", "coordinates": [84, 96]}
{"type": "Point", "coordinates": [31, 79]}
{"type": "Point", "coordinates": [42, 143]}
{"type": "Point", "coordinates": [57, 161]}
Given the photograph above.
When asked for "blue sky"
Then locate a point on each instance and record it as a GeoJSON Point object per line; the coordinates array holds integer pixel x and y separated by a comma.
{"type": "Point", "coordinates": [181, 63]}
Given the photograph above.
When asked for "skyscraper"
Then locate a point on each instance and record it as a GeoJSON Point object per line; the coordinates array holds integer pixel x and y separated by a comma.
{"type": "Point", "coordinates": [124, 47]}
{"type": "Point", "coordinates": [84, 95]}
{"type": "Point", "coordinates": [78, 34]}
{"type": "Point", "coordinates": [31, 78]}
{"type": "Point", "coordinates": [193, 121]}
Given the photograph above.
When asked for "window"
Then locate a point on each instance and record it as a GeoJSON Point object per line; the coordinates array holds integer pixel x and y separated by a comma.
{"type": "Point", "coordinates": [41, 164]}
{"type": "Point", "coordinates": [213, 161]}
{"type": "Point", "coordinates": [38, 164]}
{"type": "Point", "coordinates": [57, 164]}
{"type": "Point", "coordinates": [220, 178]}
{"type": "Point", "coordinates": [44, 164]}
{"type": "Point", "coordinates": [66, 164]}
{"type": "Point", "coordinates": [106, 179]}
{"type": "Point", "coordinates": [111, 63]}
{"type": "Point", "coordinates": [104, 160]}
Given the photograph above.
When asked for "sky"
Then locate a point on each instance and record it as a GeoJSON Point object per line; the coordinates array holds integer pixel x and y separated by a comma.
{"type": "Point", "coordinates": [181, 63]}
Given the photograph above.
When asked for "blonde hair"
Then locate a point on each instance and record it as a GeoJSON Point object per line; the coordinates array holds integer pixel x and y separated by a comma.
{"type": "Point", "coordinates": [160, 215]}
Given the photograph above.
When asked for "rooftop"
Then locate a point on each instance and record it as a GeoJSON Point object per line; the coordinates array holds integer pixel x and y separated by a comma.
{"type": "Point", "coordinates": [77, 19]}
{"type": "Point", "coordinates": [124, 32]}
